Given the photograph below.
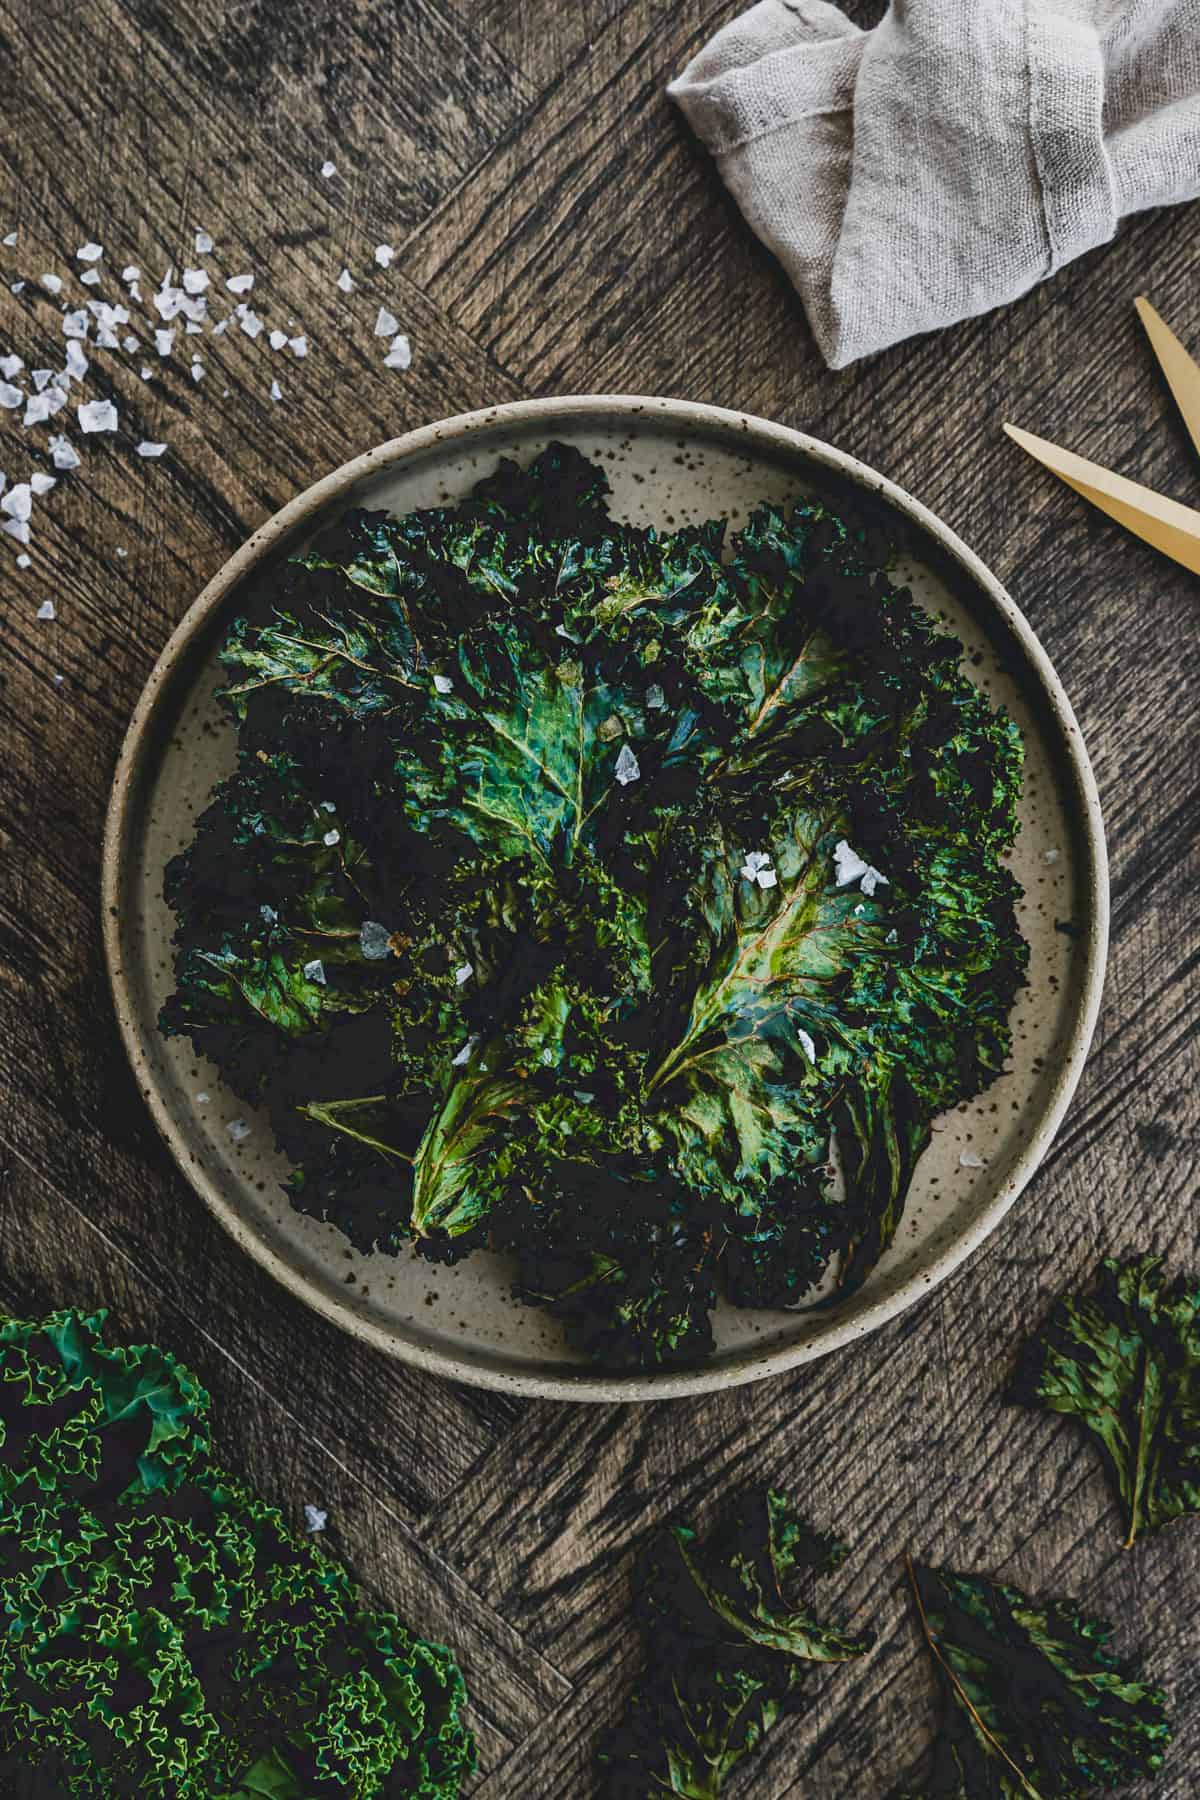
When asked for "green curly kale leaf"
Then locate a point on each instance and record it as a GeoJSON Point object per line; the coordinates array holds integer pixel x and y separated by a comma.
{"type": "Point", "coordinates": [163, 1633]}
{"type": "Point", "coordinates": [727, 1654]}
{"type": "Point", "coordinates": [1124, 1362]}
{"type": "Point", "coordinates": [1036, 1706]}
{"type": "Point", "coordinates": [586, 895]}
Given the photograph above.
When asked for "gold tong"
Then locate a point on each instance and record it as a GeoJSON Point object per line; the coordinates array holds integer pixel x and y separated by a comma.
{"type": "Point", "coordinates": [1166, 524]}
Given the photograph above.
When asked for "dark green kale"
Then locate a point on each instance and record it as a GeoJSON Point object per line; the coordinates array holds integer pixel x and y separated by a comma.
{"type": "Point", "coordinates": [585, 895]}
{"type": "Point", "coordinates": [163, 1633]}
{"type": "Point", "coordinates": [1125, 1363]}
{"type": "Point", "coordinates": [726, 1653]}
{"type": "Point", "coordinates": [1036, 1706]}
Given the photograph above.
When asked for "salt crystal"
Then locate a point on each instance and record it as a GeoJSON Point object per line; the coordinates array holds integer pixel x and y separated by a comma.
{"type": "Point", "coordinates": [384, 254]}
{"type": "Point", "coordinates": [250, 322]}
{"type": "Point", "coordinates": [387, 324]}
{"type": "Point", "coordinates": [146, 448]}
{"type": "Point", "coordinates": [145, 373]}
{"type": "Point", "coordinates": [327, 805]}
{"type": "Point", "coordinates": [51, 283]}
{"type": "Point", "coordinates": [238, 1130]}
{"type": "Point", "coordinates": [374, 940]}
{"type": "Point", "coordinates": [219, 330]}
{"type": "Point", "coordinates": [970, 1160]}
{"type": "Point", "coordinates": [276, 391]}
{"type": "Point", "coordinates": [315, 971]}
{"type": "Point", "coordinates": [121, 551]}
{"type": "Point", "coordinates": [16, 528]}
{"type": "Point", "coordinates": [463, 973]}
{"type": "Point", "coordinates": [62, 453]}
{"type": "Point", "coordinates": [656, 700]}
{"type": "Point", "coordinates": [41, 378]}
{"type": "Point", "coordinates": [344, 281]}
{"type": "Point", "coordinates": [107, 340]}
{"type": "Point", "coordinates": [850, 866]}
{"type": "Point", "coordinates": [10, 397]}
{"type": "Point", "coordinates": [90, 278]}
{"type": "Point", "coordinates": [400, 354]}
{"type": "Point", "coordinates": [240, 284]}
{"type": "Point", "coordinates": [11, 366]}
{"type": "Point", "coordinates": [757, 868]}
{"type": "Point", "coordinates": [164, 341]}
{"type": "Point", "coordinates": [90, 252]}
{"type": "Point", "coordinates": [97, 415]}
{"type": "Point", "coordinates": [203, 1099]}
{"type": "Point", "coordinates": [18, 502]}
{"type": "Point", "coordinates": [1050, 857]}
{"type": "Point", "coordinates": [77, 362]}
{"type": "Point", "coordinates": [131, 272]}
{"type": "Point", "coordinates": [332, 837]}
{"type": "Point", "coordinates": [628, 768]}
{"type": "Point", "coordinates": [806, 1044]}
{"type": "Point", "coordinates": [443, 684]}
{"type": "Point", "coordinates": [871, 880]}
{"type": "Point", "coordinates": [298, 346]}
{"type": "Point", "coordinates": [24, 561]}
{"type": "Point", "coordinates": [328, 169]}
{"type": "Point", "coordinates": [58, 680]}
{"type": "Point", "coordinates": [75, 324]}
{"type": "Point", "coordinates": [46, 610]}
{"type": "Point", "coordinates": [464, 1055]}
{"type": "Point", "coordinates": [195, 281]}
{"type": "Point", "coordinates": [204, 244]}
{"type": "Point", "coordinates": [767, 878]}
{"type": "Point", "coordinates": [315, 1518]}
{"type": "Point", "coordinates": [277, 339]}
{"type": "Point", "coordinates": [9, 241]}
{"type": "Point", "coordinates": [41, 483]}
{"type": "Point", "coordinates": [197, 369]}
{"type": "Point", "coordinates": [130, 343]}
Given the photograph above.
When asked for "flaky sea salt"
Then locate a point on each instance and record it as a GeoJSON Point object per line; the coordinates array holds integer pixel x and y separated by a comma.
{"type": "Point", "coordinates": [63, 453]}
{"type": "Point", "coordinates": [90, 252]}
{"type": "Point", "coordinates": [332, 837]}
{"type": "Point", "coordinates": [443, 684]}
{"type": "Point", "coordinates": [315, 971]}
{"type": "Point", "coordinates": [41, 483]}
{"type": "Point", "coordinates": [1050, 857]}
{"type": "Point", "coordinates": [656, 700]}
{"type": "Point", "coordinates": [195, 281]}
{"type": "Point", "coordinates": [148, 449]}
{"type": "Point", "coordinates": [806, 1044]}
{"type": "Point", "coordinates": [10, 397]}
{"type": "Point", "coordinates": [44, 406]}
{"type": "Point", "coordinates": [298, 345]}
{"type": "Point", "coordinates": [328, 169]}
{"type": "Point", "coordinates": [384, 254]}
{"type": "Point", "coordinates": [386, 323]}
{"type": "Point", "coordinates": [344, 281]}
{"type": "Point", "coordinates": [240, 284]}
{"type": "Point", "coordinates": [77, 362]}
{"type": "Point", "coordinates": [276, 391]}
{"type": "Point", "coordinates": [24, 561]}
{"type": "Point", "coordinates": [628, 768]}
{"type": "Point", "coordinates": [164, 340]}
{"type": "Point", "coordinates": [399, 355]}
{"type": "Point", "coordinates": [11, 366]}
{"type": "Point", "coordinates": [315, 1517]}
{"type": "Point", "coordinates": [131, 272]}
{"type": "Point", "coordinates": [41, 378]}
{"type": "Point", "coordinates": [374, 940]}
{"type": "Point", "coordinates": [277, 339]}
{"type": "Point", "coordinates": [203, 244]}
{"type": "Point", "coordinates": [9, 240]}
{"type": "Point", "coordinates": [18, 502]}
{"type": "Point", "coordinates": [970, 1160]}
{"type": "Point", "coordinates": [238, 1130]}
{"type": "Point", "coordinates": [463, 973]}
{"type": "Point", "coordinates": [90, 278]}
{"type": "Point", "coordinates": [51, 283]}
{"type": "Point", "coordinates": [76, 324]}
{"type": "Point", "coordinates": [97, 415]}
{"type": "Point", "coordinates": [757, 868]}
{"type": "Point", "coordinates": [464, 1055]}
{"type": "Point", "coordinates": [850, 866]}
{"type": "Point", "coordinates": [249, 321]}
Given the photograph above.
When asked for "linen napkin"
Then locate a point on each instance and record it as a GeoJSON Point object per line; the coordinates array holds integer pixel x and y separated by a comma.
{"type": "Point", "coordinates": [948, 160]}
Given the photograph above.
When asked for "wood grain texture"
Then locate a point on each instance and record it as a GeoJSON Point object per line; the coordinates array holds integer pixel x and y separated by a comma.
{"type": "Point", "coordinates": [556, 228]}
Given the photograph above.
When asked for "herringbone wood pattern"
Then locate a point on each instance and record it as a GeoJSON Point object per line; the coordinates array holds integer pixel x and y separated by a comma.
{"type": "Point", "coordinates": [556, 229]}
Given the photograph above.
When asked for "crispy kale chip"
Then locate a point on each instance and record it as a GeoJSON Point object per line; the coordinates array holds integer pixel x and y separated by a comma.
{"type": "Point", "coordinates": [164, 1634]}
{"type": "Point", "coordinates": [1036, 1706]}
{"type": "Point", "coordinates": [587, 894]}
{"type": "Point", "coordinates": [727, 1653]}
{"type": "Point", "coordinates": [1125, 1362]}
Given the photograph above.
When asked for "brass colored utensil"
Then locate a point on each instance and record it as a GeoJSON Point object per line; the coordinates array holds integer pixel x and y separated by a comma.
{"type": "Point", "coordinates": [1166, 524]}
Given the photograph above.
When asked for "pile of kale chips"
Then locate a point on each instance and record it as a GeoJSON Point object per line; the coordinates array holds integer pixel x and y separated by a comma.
{"type": "Point", "coordinates": [578, 892]}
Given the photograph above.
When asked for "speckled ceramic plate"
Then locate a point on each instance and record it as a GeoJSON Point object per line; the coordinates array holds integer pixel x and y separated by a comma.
{"type": "Point", "coordinates": [669, 462]}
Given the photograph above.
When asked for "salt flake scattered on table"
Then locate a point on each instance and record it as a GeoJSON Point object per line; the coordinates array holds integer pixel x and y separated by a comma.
{"type": "Point", "coordinates": [203, 244]}
{"type": "Point", "coordinates": [164, 340]}
{"type": "Point", "coordinates": [238, 1130]}
{"type": "Point", "coordinates": [628, 768]}
{"type": "Point", "coordinates": [77, 362]}
{"type": "Point", "coordinates": [24, 561]}
{"type": "Point", "coordinates": [76, 324]}
{"type": "Point", "coordinates": [298, 345]}
{"type": "Point", "coordinates": [63, 453]}
{"type": "Point", "coordinates": [146, 448]}
{"type": "Point", "coordinates": [41, 483]}
{"type": "Point", "coordinates": [51, 283]}
{"type": "Point", "coordinates": [240, 284]}
{"type": "Point", "coordinates": [42, 378]}
{"type": "Point", "coordinates": [97, 415]}
{"type": "Point", "coordinates": [399, 356]}
{"type": "Point", "coordinates": [9, 241]}
{"type": "Point", "coordinates": [374, 940]}
{"type": "Point", "coordinates": [276, 391]}
{"type": "Point", "coordinates": [131, 273]}
{"type": "Point", "coordinates": [971, 1160]}
{"type": "Point", "coordinates": [277, 339]}
{"type": "Point", "coordinates": [344, 281]}
{"type": "Point", "coordinates": [386, 324]}
{"type": "Point", "coordinates": [195, 280]}
{"type": "Point", "coordinates": [44, 406]}
{"type": "Point", "coordinates": [90, 278]}
{"type": "Point", "coordinates": [315, 1518]}
{"type": "Point", "coordinates": [10, 397]}
{"type": "Point", "coordinates": [384, 254]}
{"type": "Point", "coordinates": [328, 169]}
{"type": "Point", "coordinates": [203, 1099]}
{"type": "Point", "coordinates": [11, 366]}
{"type": "Point", "coordinates": [850, 866]}
{"type": "Point", "coordinates": [90, 252]}
{"type": "Point", "coordinates": [46, 610]}
{"type": "Point", "coordinates": [197, 369]}
{"type": "Point", "coordinates": [315, 971]}
{"type": "Point", "coordinates": [18, 502]}
{"type": "Point", "coordinates": [1050, 857]}
{"type": "Point", "coordinates": [249, 321]}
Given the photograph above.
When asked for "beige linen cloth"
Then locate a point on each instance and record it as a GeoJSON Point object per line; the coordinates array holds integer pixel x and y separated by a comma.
{"type": "Point", "coordinates": [946, 161]}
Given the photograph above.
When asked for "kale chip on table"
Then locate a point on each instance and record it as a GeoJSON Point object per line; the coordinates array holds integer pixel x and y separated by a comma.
{"type": "Point", "coordinates": [598, 895]}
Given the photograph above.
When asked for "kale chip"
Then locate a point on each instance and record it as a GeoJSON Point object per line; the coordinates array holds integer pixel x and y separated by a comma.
{"type": "Point", "coordinates": [584, 894]}
{"type": "Point", "coordinates": [726, 1654]}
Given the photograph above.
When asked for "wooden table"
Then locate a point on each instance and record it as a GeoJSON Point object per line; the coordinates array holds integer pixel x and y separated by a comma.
{"type": "Point", "coordinates": [556, 229]}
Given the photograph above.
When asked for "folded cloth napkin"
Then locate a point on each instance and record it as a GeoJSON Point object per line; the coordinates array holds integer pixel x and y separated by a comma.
{"type": "Point", "coordinates": [946, 161]}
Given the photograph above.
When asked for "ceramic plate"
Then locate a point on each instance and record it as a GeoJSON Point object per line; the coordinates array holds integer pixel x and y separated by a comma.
{"type": "Point", "coordinates": [669, 462]}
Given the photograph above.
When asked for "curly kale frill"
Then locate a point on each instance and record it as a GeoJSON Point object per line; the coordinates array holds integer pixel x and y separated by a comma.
{"type": "Point", "coordinates": [584, 894]}
{"type": "Point", "coordinates": [726, 1654]}
{"type": "Point", "coordinates": [163, 1633]}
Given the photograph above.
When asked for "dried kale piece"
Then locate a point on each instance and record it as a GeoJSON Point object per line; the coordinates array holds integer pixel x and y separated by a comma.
{"type": "Point", "coordinates": [163, 1633]}
{"type": "Point", "coordinates": [565, 858]}
{"type": "Point", "coordinates": [1036, 1706]}
{"type": "Point", "coordinates": [1124, 1362]}
{"type": "Point", "coordinates": [727, 1653]}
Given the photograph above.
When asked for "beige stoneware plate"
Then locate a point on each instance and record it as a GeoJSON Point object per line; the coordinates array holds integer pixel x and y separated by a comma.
{"type": "Point", "coordinates": [669, 462]}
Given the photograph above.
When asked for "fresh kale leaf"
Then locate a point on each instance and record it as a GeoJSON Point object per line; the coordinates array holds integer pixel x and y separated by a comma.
{"type": "Point", "coordinates": [582, 893]}
{"type": "Point", "coordinates": [162, 1633]}
{"type": "Point", "coordinates": [1125, 1362]}
{"type": "Point", "coordinates": [1036, 1706]}
{"type": "Point", "coordinates": [727, 1653]}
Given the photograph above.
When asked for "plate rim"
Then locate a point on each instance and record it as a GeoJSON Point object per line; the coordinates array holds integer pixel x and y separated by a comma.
{"type": "Point", "coordinates": [564, 412]}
